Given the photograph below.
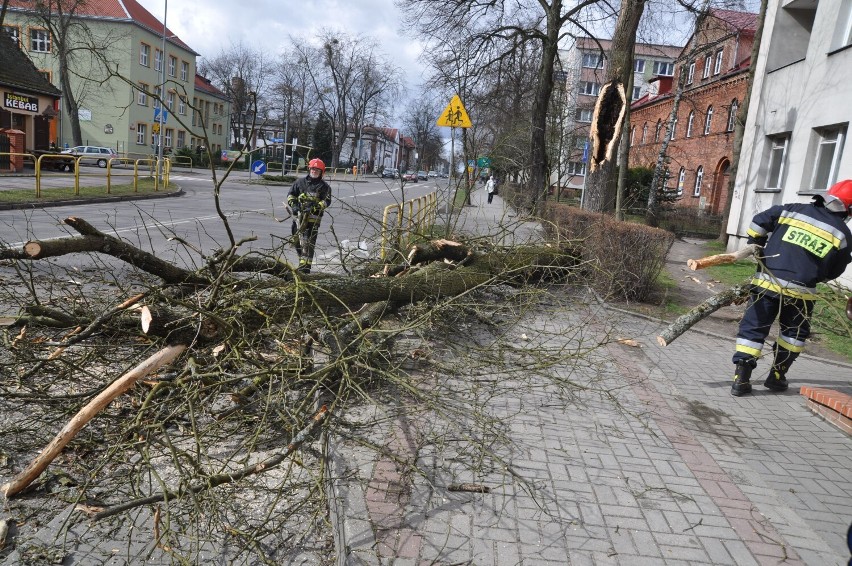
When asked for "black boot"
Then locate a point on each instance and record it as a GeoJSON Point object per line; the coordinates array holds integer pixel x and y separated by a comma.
{"type": "Point", "coordinates": [777, 379]}
{"type": "Point", "coordinates": [741, 384]}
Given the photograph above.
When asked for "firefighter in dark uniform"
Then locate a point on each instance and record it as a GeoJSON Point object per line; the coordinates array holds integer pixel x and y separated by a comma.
{"type": "Point", "coordinates": [803, 245]}
{"type": "Point", "coordinates": [307, 200]}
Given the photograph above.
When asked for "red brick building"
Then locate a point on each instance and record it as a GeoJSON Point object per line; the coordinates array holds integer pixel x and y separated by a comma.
{"type": "Point", "coordinates": [713, 69]}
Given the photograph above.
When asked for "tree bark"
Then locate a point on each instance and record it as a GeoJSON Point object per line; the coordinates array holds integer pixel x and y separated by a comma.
{"type": "Point", "coordinates": [722, 259]}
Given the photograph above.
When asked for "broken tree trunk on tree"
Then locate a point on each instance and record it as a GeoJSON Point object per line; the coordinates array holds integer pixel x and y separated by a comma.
{"type": "Point", "coordinates": [722, 259]}
{"type": "Point", "coordinates": [81, 419]}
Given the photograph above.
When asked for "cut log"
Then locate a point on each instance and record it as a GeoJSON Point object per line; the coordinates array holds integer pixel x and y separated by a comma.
{"type": "Point", "coordinates": [81, 419]}
{"type": "Point", "coordinates": [685, 322]}
{"type": "Point", "coordinates": [722, 259]}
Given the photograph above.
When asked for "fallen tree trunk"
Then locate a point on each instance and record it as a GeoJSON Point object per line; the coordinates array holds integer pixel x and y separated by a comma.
{"type": "Point", "coordinates": [684, 322]}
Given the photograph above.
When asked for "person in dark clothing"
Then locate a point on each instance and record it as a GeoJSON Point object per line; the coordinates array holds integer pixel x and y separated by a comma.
{"type": "Point", "coordinates": [307, 200]}
{"type": "Point", "coordinates": [803, 245]}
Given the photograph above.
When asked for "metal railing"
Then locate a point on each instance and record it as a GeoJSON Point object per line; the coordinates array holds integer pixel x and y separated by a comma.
{"type": "Point", "coordinates": [44, 165]}
{"type": "Point", "coordinates": [403, 222]}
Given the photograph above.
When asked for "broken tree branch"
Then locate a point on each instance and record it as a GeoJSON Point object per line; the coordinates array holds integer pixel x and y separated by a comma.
{"type": "Point", "coordinates": [684, 322]}
{"type": "Point", "coordinates": [82, 418]}
{"type": "Point", "coordinates": [722, 259]}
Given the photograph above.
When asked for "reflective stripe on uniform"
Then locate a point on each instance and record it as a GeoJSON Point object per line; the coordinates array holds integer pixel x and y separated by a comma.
{"type": "Point", "coordinates": [756, 231]}
{"type": "Point", "coordinates": [783, 287]}
{"type": "Point", "coordinates": [749, 347]}
{"type": "Point", "coordinates": [790, 344]}
{"type": "Point", "coordinates": [815, 227]}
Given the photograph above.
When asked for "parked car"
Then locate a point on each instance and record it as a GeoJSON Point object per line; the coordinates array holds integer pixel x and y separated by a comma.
{"type": "Point", "coordinates": [433, 174]}
{"type": "Point", "coordinates": [422, 176]}
{"type": "Point", "coordinates": [390, 173]}
{"type": "Point", "coordinates": [409, 176]}
{"type": "Point", "coordinates": [92, 154]}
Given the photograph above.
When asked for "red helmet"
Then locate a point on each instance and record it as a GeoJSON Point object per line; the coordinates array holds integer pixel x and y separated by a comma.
{"type": "Point", "coordinates": [316, 163]}
{"type": "Point", "coordinates": [842, 192]}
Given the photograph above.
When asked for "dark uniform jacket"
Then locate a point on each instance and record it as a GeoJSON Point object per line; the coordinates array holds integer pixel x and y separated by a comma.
{"type": "Point", "coordinates": [804, 244]}
{"type": "Point", "coordinates": [309, 196]}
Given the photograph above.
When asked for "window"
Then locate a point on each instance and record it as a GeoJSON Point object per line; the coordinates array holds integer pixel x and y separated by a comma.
{"type": "Point", "coordinates": [708, 64]}
{"type": "Point", "coordinates": [576, 168]}
{"type": "Point", "coordinates": [592, 61]}
{"type": "Point", "coordinates": [172, 66]}
{"type": "Point", "coordinates": [663, 68]}
{"type": "Point", "coordinates": [592, 89]}
{"type": "Point", "coordinates": [690, 73]}
{"type": "Point", "coordinates": [167, 140]}
{"type": "Point", "coordinates": [657, 131]}
{"type": "Point", "coordinates": [144, 54]}
{"type": "Point", "coordinates": [717, 68]}
{"type": "Point", "coordinates": [644, 132]}
{"type": "Point", "coordinates": [581, 143]}
{"type": "Point", "coordinates": [170, 101]}
{"type": "Point", "coordinates": [639, 66]}
{"type": "Point", "coordinates": [39, 40]}
{"type": "Point", "coordinates": [707, 120]}
{"type": "Point", "coordinates": [182, 106]}
{"type": "Point", "coordinates": [689, 123]}
{"type": "Point", "coordinates": [637, 92]}
{"type": "Point", "coordinates": [843, 33]}
{"type": "Point", "coordinates": [583, 114]}
{"type": "Point", "coordinates": [181, 139]}
{"type": "Point", "coordinates": [141, 133]}
{"type": "Point", "coordinates": [777, 147]}
{"type": "Point", "coordinates": [732, 115]}
{"type": "Point", "coordinates": [699, 177]}
{"type": "Point", "coordinates": [184, 70]}
{"type": "Point", "coordinates": [142, 95]}
{"type": "Point", "coordinates": [794, 23]}
{"type": "Point", "coordinates": [158, 60]}
{"type": "Point", "coordinates": [157, 93]}
{"type": "Point", "coordinates": [632, 135]}
{"type": "Point", "coordinates": [14, 32]}
{"type": "Point", "coordinates": [829, 147]}
{"type": "Point", "coordinates": [681, 178]}
{"type": "Point", "coordinates": [674, 128]}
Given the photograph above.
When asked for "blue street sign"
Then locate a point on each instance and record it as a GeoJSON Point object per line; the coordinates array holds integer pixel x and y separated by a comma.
{"type": "Point", "coordinates": [258, 167]}
{"type": "Point", "coordinates": [277, 140]}
{"type": "Point", "coordinates": [471, 163]}
{"type": "Point", "coordinates": [157, 115]}
{"type": "Point", "coordinates": [586, 152]}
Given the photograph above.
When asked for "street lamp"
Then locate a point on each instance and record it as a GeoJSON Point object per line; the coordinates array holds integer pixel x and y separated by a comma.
{"type": "Point", "coordinates": [162, 95]}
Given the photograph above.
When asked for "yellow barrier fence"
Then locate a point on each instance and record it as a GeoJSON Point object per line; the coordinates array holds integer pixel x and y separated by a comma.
{"type": "Point", "coordinates": [402, 223]}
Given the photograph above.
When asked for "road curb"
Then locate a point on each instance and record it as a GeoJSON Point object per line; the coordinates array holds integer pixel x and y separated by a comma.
{"type": "Point", "coordinates": [92, 200]}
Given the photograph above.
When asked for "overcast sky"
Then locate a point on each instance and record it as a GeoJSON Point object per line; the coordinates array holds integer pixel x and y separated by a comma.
{"type": "Point", "coordinates": [212, 26]}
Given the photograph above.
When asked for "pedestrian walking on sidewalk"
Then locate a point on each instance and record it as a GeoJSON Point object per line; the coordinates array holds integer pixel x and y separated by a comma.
{"type": "Point", "coordinates": [803, 245]}
{"type": "Point", "coordinates": [307, 200]}
{"type": "Point", "coordinates": [491, 188]}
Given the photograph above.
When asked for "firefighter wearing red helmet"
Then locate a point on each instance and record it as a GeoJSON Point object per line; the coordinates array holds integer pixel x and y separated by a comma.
{"type": "Point", "coordinates": [803, 245]}
{"type": "Point", "coordinates": [307, 200]}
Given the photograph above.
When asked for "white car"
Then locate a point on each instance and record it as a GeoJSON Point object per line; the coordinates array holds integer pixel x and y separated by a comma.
{"type": "Point", "coordinates": [92, 154]}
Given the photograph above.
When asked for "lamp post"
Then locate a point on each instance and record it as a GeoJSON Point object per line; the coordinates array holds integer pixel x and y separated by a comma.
{"type": "Point", "coordinates": [162, 95]}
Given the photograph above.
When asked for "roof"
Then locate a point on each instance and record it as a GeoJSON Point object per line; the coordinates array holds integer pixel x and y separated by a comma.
{"type": "Point", "coordinates": [126, 11]}
{"type": "Point", "coordinates": [19, 72]}
{"type": "Point", "coordinates": [203, 84]}
{"type": "Point", "coordinates": [739, 21]}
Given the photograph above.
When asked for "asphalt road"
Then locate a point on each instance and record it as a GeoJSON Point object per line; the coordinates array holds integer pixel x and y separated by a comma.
{"type": "Point", "coordinates": [253, 210]}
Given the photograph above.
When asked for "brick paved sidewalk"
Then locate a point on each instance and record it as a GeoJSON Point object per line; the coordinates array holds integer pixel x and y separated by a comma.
{"type": "Point", "coordinates": [645, 459]}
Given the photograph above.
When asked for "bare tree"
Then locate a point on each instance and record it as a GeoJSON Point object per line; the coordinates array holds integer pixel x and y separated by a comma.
{"type": "Point", "coordinates": [241, 72]}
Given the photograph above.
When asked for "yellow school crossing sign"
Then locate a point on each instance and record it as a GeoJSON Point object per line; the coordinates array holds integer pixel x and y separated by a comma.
{"type": "Point", "coordinates": [454, 115]}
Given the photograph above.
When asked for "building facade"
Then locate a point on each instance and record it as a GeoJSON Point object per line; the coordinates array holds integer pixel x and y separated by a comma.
{"type": "Point", "coordinates": [794, 146]}
{"type": "Point", "coordinates": [28, 110]}
{"type": "Point", "coordinates": [583, 68]}
{"type": "Point", "coordinates": [712, 71]}
{"type": "Point", "coordinates": [113, 86]}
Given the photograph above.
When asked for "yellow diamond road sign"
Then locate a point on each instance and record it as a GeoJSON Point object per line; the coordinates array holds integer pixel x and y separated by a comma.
{"type": "Point", "coordinates": [454, 115]}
